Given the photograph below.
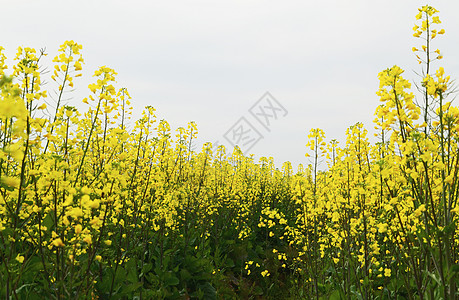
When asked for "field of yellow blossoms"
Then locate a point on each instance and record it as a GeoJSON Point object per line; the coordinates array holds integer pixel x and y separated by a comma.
{"type": "Point", "coordinates": [93, 209]}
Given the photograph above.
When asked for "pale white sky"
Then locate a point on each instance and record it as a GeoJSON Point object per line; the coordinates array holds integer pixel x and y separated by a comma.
{"type": "Point", "coordinates": [211, 61]}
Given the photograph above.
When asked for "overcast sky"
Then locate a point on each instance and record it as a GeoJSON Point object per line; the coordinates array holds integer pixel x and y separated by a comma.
{"type": "Point", "coordinates": [211, 61]}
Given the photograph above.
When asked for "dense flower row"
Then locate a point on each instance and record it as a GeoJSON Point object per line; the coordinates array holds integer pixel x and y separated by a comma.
{"type": "Point", "coordinates": [93, 208]}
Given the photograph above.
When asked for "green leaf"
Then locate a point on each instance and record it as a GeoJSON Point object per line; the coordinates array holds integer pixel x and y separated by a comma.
{"type": "Point", "coordinates": [335, 295]}
{"type": "Point", "coordinates": [450, 228]}
{"type": "Point", "coordinates": [146, 268]}
{"type": "Point", "coordinates": [171, 279]}
{"type": "Point", "coordinates": [434, 277]}
{"type": "Point", "coordinates": [131, 275]}
{"type": "Point", "coordinates": [209, 291]}
{"type": "Point", "coordinates": [131, 287]}
{"type": "Point", "coordinates": [48, 221]}
{"type": "Point", "coordinates": [229, 263]}
{"type": "Point", "coordinates": [185, 275]}
{"type": "Point", "coordinates": [455, 268]}
{"type": "Point", "coordinates": [18, 291]}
